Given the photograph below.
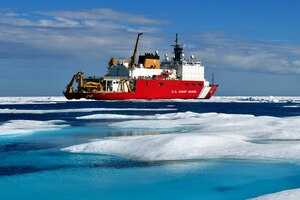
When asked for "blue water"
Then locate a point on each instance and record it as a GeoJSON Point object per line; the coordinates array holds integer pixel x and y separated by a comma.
{"type": "Point", "coordinates": [34, 167]}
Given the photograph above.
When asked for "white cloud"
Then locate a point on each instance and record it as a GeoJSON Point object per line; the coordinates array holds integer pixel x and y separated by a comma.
{"type": "Point", "coordinates": [104, 14]}
{"type": "Point", "coordinates": [56, 22]}
{"type": "Point", "coordinates": [219, 51]}
{"type": "Point", "coordinates": [78, 34]}
{"type": "Point", "coordinates": [87, 34]}
{"type": "Point", "coordinates": [296, 62]}
{"type": "Point", "coordinates": [16, 21]}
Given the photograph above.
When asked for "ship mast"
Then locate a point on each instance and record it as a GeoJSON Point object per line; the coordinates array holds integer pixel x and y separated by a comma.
{"type": "Point", "coordinates": [132, 61]}
{"type": "Point", "coordinates": [177, 49]}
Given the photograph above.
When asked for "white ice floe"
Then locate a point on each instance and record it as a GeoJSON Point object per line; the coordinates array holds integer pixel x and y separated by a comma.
{"type": "Point", "coordinates": [30, 126]}
{"type": "Point", "coordinates": [119, 116]}
{"type": "Point", "coordinates": [259, 99]}
{"type": "Point", "coordinates": [187, 147]}
{"type": "Point", "coordinates": [283, 195]}
{"type": "Point", "coordinates": [240, 99]}
{"type": "Point", "coordinates": [292, 106]}
{"type": "Point", "coordinates": [256, 99]}
{"type": "Point", "coordinates": [261, 127]}
{"type": "Point", "coordinates": [110, 116]}
{"type": "Point", "coordinates": [210, 136]}
{"type": "Point", "coordinates": [22, 111]}
{"type": "Point", "coordinates": [31, 100]}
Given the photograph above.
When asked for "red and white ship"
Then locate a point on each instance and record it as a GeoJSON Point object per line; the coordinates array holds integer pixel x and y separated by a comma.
{"type": "Point", "coordinates": [149, 78]}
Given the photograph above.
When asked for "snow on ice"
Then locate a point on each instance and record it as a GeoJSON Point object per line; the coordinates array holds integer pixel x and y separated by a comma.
{"type": "Point", "coordinates": [28, 126]}
{"type": "Point", "coordinates": [209, 136]}
{"type": "Point", "coordinates": [286, 195]}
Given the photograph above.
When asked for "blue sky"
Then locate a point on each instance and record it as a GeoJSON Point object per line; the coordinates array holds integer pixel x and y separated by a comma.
{"type": "Point", "coordinates": [251, 46]}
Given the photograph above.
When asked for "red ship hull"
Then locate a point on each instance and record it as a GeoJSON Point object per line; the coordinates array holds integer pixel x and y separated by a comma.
{"type": "Point", "coordinates": [153, 89]}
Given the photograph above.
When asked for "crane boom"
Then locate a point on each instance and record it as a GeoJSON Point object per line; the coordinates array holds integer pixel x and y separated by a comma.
{"type": "Point", "coordinates": [132, 62]}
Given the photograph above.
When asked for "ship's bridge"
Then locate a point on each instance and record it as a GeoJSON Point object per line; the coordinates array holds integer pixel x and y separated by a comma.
{"type": "Point", "coordinates": [191, 70]}
{"type": "Point", "coordinates": [186, 69]}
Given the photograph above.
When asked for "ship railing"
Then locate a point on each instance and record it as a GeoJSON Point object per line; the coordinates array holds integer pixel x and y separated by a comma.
{"type": "Point", "coordinates": [93, 77]}
{"type": "Point", "coordinates": [155, 77]}
{"type": "Point", "coordinates": [188, 62]}
{"type": "Point", "coordinates": [115, 77]}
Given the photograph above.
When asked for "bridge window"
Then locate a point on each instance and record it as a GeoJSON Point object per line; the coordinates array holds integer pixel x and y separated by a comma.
{"type": "Point", "coordinates": [199, 84]}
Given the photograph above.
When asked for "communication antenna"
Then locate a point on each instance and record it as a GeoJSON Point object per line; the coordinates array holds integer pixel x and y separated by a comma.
{"type": "Point", "coordinates": [212, 78]}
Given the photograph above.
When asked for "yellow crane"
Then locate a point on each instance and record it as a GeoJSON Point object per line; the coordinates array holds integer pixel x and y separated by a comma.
{"type": "Point", "coordinates": [132, 61]}
{"type": "Point", "coordinates": [79, 78]}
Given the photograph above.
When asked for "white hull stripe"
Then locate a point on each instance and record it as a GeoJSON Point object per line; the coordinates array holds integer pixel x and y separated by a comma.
{"type": "Point", "coordinates": [204, 92]}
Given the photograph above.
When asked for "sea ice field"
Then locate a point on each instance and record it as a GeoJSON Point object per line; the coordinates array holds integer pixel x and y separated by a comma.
{"type": "Point", "coordinates": [227, 148]}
